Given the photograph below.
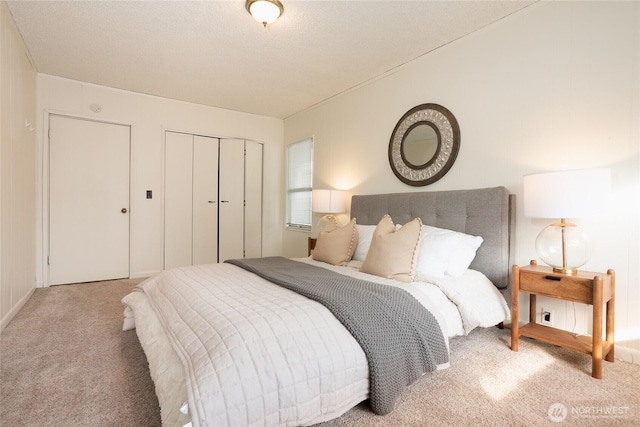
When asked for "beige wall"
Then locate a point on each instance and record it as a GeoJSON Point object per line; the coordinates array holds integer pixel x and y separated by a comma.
{"type": "Point", "coordinates": [149, 116]}
{"type": "Point", "coordinates": [17, 170]}
{"type": "Point", "coordinates": [552, 87]}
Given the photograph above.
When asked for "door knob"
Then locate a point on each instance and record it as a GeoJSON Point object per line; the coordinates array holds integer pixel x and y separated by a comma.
{"type": "Point", "coordinates": [123, 210]}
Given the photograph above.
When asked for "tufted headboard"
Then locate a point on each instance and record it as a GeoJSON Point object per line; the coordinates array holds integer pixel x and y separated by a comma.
{"type": "Point", "coordinates": [486, 212]}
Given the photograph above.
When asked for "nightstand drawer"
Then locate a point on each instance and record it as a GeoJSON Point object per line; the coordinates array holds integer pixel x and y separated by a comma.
{"type": "Point", "coordinates": [570, 288]}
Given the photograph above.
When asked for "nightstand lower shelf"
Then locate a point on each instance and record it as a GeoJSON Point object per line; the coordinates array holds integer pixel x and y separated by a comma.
{"type": "Point", "coordinates": [582, 343]}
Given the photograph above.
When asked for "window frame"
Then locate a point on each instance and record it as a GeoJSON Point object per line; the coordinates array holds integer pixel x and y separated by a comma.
{"type": "Point", "coordinates": [289, 223]}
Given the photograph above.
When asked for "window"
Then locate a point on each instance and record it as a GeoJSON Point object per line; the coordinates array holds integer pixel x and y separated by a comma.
{"type": "Point", "coordinates": [299, 182]}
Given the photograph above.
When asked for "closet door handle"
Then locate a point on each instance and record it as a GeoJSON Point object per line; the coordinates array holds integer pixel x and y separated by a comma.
{"type": "Point", "coordinates": [211, 201]}
{"type": "Point", "coordinates": [224, 201]}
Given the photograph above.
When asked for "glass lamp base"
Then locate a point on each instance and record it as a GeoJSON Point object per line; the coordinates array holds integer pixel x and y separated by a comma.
{"type": "Point", "coordinates": [563, 246]}
{"type": "Point", "coordinates": [322, 222]}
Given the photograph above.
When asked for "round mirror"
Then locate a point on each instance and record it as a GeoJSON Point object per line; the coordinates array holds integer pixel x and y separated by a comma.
{"type": "Point", "coordinates": [424, 144]}
{"type": "Point", "coordinates": [420, 145]}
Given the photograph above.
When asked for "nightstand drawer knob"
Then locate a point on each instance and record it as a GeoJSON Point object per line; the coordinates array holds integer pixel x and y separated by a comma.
{"type": "Point", "coordinates": [556, 278]}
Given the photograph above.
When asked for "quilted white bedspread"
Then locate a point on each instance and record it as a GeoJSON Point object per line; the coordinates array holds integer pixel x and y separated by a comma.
{"type": "Point", "coordinates": [254, 353]}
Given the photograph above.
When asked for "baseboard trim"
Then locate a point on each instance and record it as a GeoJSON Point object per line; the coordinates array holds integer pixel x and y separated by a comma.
{"type": "Point", "coordinates": [627, 354]}
{"type": "Point", "coordinates": [15, 309]}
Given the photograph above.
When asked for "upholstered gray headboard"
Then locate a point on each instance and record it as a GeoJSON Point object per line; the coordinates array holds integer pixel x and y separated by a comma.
{"type": "Point", "coordinates": [486, 212]}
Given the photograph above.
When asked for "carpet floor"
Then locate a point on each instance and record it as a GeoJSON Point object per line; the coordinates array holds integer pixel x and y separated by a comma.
{"type": "Point", "coordinates": [64, 360]}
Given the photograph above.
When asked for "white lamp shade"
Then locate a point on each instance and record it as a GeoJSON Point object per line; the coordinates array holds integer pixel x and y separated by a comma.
{"type": "Point", "coordinates": [328, 201]}
{"type": "Point", "coordinates": [567, 194]}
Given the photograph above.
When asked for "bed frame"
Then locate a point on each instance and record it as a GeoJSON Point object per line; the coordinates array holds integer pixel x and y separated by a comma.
{"type": "Point", "coordinates": [486, 212]}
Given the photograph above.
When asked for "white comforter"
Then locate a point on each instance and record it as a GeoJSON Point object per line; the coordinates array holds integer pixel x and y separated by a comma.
{"type": "Point", "coordinates": [253, 353]}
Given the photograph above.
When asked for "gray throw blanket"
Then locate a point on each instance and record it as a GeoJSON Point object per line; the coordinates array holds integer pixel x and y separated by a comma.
{"type": "Point", "coordinates": [401, 338]}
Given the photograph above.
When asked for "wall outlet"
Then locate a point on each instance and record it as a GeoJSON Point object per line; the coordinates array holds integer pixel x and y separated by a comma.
{"type": "Point", "coordinates": [547, 317]}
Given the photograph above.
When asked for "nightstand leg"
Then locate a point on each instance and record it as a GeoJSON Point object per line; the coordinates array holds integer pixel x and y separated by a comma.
{"type": "Point", "coordinates": [532, 308]}
{"type": "Point", "coordinates": [596, 350]}
{"type": "Point", "coordinates": [611, 315]}
{"type": "Point", "coordinates": [515, 300]}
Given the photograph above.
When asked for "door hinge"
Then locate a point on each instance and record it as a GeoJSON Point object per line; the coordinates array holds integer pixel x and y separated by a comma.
{"type": "Point", "coordinates": [48, 261]}
{"type": "Point", "coordinates": [49, 133]}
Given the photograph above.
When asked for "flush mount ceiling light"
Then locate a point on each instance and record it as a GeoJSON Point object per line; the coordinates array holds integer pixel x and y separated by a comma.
{"type": "Point", "coordinates": [265, 11]}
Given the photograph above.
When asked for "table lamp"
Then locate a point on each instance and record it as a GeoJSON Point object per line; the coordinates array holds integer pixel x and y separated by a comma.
{"type": "Point", "coordinates": [327, 202]}
{"type": "Point", "coordinates": [561, 195]}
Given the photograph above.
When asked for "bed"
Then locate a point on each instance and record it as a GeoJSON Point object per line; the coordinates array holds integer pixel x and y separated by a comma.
{"type": "Point", "coordinates": [232, 344]}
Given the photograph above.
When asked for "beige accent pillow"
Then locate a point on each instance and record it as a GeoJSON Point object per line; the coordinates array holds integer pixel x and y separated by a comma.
{"type": "Point", "coordinates": [394, 253]}
{"type": "Point", "coordinates": [335, 244]}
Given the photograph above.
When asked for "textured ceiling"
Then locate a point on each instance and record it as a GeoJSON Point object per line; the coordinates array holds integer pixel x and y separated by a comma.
{"type": "Point", "coordinates": [214, 53]}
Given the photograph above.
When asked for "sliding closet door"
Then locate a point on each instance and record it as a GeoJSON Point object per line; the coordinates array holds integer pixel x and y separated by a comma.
{"type": "Point", "coordinates": [205, 200]}
{"type": "Point", "coordinates": [213, 199]}
{"type": "Point", "coordinates": [231, 199]}
{"type": "Point", "coordinates": [253, 200]}
{"type": "Point", "coordinates": [178, 190]}
{"type": "Point", "coordinates": [191, 195]}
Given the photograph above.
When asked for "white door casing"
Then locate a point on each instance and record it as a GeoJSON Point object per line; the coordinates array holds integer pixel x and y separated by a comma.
{"type": "Point", "coordinates": [88, 200]}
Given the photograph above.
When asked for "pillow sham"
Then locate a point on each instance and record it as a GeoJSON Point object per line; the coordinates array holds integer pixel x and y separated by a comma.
{"type": "Point", "coordinates": [365, 234]}
{"type": "Point", "coordinates": [335, 244]}
{"type": "Point", "coordinates": [393, 252]}
{"type": "Point", "coordinates": [445, 251]}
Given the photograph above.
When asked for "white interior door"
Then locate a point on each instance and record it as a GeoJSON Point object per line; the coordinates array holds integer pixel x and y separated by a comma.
{"type": "Point", "coordinates": [178, 194]}
{"type": "Point", "coordinates": [205, 200]}
{"type": "Point", "coordinates": [231, 199]}
{"type": "Point", "coordinates": [88, 200]}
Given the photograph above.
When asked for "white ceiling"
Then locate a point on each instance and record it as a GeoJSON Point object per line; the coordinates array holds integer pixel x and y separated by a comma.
{"type": "Point", "coordinates": [214, 53]}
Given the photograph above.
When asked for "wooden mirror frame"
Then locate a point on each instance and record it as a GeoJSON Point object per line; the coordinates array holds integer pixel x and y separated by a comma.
{"type": "Point", "coordinates": [448, 132]}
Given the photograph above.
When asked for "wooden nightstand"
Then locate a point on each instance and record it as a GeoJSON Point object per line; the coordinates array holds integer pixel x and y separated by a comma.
{"type": "Point", "coordinates": [584, 287]}
{"type": "Point", "coordinates": [311, 245]}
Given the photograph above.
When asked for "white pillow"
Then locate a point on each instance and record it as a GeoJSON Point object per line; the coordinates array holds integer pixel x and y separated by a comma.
{"type": "Point", "coordinates": [365, 234]}
{"type": "Point", "coordinates": [445, 251]}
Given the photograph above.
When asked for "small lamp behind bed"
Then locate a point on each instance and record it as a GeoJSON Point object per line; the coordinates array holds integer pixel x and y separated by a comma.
{"type": "Point", "coordinates": [562, 195]}
{"type": "Point", "coordinates": [327, 202]}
